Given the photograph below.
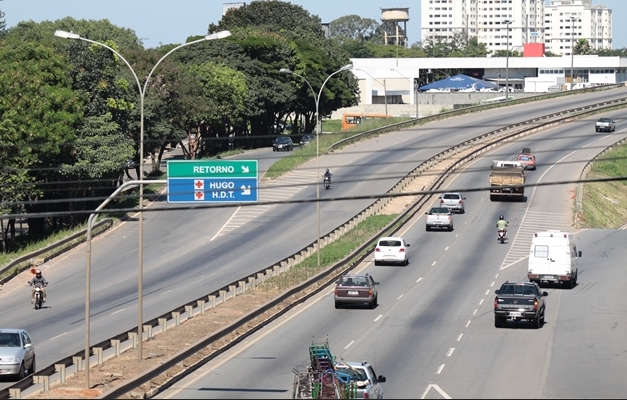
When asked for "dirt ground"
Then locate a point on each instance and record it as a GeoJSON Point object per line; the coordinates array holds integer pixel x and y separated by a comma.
{"type": "Point", "coordinates": [164, 345]}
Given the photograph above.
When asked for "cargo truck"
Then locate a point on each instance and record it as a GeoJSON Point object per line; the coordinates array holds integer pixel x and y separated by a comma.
{"type": "Point", "coordinates": [507, 183]}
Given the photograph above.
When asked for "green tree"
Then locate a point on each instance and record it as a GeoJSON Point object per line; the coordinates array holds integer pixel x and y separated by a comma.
{"type": "Point", "coordinates": [41, 111]}
{"type": "Point", "coordinates": [3, 24]}
{"type": "Point", "coordinates": [503, 53]}
{"type": "Point", "coordinates": [355, 28]}
{"type": "Point", "coordinates": [582, 47]}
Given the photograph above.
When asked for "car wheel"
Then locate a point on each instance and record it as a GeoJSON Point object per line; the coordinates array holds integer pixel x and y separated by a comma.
{"type": "Point", "coordinates": [450, 228]}
{"type": "Point", "coordinates": [498, 322]}
{"type": "Point", "coordinates": [542, 317]}
{"type": "Point", "coordinates": [597, 130]}
{"type": "Point", "coordinates": [536, 323]}
{"type": "Point", "coordinates": [373, 304]}
{"type": "Point", "coordinates": [407, 261]}
{"type": "Point", "coordinates": [33, 367]}
{"type": "Point", "coordinates": [376, 262]}
{"type": "Point", "coordinates": [338, 304]}
{"type": "Point", "coordinates": [427, 228]}
{"type": "Point", "coordinates": [22, 373]}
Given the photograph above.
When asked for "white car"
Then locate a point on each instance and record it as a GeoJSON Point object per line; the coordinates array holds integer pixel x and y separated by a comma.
{"type": "Point", "coordinates": [391, 250]}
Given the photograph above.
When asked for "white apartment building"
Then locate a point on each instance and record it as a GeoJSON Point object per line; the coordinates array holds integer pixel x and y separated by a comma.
{"type": "Point", "coordinates": [530, 21]}
{"type": "Point", "coordinates": [579, 18]}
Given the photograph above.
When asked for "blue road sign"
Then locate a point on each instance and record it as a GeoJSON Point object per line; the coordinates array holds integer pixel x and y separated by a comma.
{"type": "Point", "coordinates": [212, 190]}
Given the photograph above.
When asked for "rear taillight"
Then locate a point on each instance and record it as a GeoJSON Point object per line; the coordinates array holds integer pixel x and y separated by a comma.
{"type": "Point", "coordinates": [495, 303]}
{"type": "Point", "coordinates": [366, 395]}
{"type": "Point", "coordinates": [377, 249]}
{"type": "Point", "coordinates": [336, 291]}
{"type": "Point", "coordinates": [401, 250]}
{"type": "Point", "coordinates": [535, 304]}
{"type": "Point", "coordinates": [441, 201]}
{"type": "Point", "coordinates": [461, 202]}
{"type": "Point", "coordinates": [370, 292]}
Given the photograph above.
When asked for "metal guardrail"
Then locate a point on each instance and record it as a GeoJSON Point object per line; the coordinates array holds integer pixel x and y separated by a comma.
{"type": "Point", "coordinates": [250, 281]}
{"type": "Point", "coordinates": [22, 263]}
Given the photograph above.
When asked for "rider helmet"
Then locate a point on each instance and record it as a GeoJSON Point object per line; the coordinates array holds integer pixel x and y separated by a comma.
{"type": "Point", "coordinates": [38, 272]}
{"type": "Point", "coordinates": [501, 217]}
{"type": "Point", "coordinates": [327, 170]}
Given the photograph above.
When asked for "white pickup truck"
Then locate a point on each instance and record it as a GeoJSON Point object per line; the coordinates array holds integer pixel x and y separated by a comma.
{"type": "Point", "coordinates": [367, 382]}
{"type": "Point", "coordinates": [439, 217]}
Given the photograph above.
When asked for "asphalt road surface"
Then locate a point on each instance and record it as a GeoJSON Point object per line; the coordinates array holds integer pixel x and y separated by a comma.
{"type": "Point", "coordinates": [188, 254]}
{"type": "Point", "coordinates": [433, 333]}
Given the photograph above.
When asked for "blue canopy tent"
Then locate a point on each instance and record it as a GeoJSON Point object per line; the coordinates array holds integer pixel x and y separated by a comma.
{"type": "Point", "coordinates": [460, 82]}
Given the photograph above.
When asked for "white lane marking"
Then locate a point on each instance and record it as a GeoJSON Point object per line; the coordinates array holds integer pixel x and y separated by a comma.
{"type": "Point", "coordinates": [604, 137]}
{"type": "Point", "coordinates": [450, 351]}
{"type": "Point", "coordinates": [378, 318]}
{"type": "Point", "coordinates": [460, 337]}
{"type": "Point", "coordinates": [529, 202]}
{"type": "Point", "coordinates": [399, 297]}
{"type": "Point", "coordinates": [349, 345]}
{"type": "Point", "coordinates": [496, 276]}
{"type": "Point", "coordinates": [419, 279]}
{"type": "Point", "coordinates": [492, 284]}
{"type": "Point", "coordinates": [446, 248]}
{"type": "Point", "coordinates": [440, 369]}
{"type": "Point", "coordinates": [167, 291]}
{"type": "Point", "coordinates": [115, 312]}
{"type": "Point", "coordinates": [226, 224]}
{"type": "Point", "coordinates": [437, 388]}
{"type": "Point", "coordinates": [475, 312]}
{"type": "Point", "coordinates": [467, 323]}
{"type": "Point", "coordinates": [58, 336]}
{"type": "Point", "coordinates": [433, 263]}
{"type": "Point", "coordinates": [487, 292]}
{"type": "Point", "coordinates": [481, 302]}
{"type": "Point", "coordinates": [457, 235]}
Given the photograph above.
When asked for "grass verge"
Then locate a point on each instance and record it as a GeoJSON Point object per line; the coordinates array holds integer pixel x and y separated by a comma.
{"type": "Point", "coordinates": [330, 254]}
{"type": "Point", "coordinates": [605, 203]}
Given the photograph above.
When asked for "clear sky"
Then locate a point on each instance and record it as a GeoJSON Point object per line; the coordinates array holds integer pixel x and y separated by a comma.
{"type": "Point", "coordinates": [171, 21]}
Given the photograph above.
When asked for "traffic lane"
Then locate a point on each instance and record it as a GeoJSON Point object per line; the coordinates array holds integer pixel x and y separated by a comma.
{"type": "Point", "coordinates": [521, 273]}
{"type": "Point", "coordinates": [107, 257]}
{"type": "Point", "coordinates": [586, 356]}
{"type": "Point", "coordinates": [574, 355]}
{"type": "Point", "coordinates": [340, 325]}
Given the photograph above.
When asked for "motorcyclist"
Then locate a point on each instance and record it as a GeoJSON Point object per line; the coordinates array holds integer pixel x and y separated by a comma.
{"type": "Point", "coordinates": [327, 175]}
{"type": "Point", "coordinates": [501, 224]}
{"type": "Point", "coordinates": [38, 281]}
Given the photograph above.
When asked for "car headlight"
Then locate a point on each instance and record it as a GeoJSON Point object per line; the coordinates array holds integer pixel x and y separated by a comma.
{"type": "Point", "coordinates": [10, 359]}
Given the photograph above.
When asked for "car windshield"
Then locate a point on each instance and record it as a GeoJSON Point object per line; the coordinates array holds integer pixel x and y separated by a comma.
{"type": "Point", "coordinates": [524, 158]}
{"type": "Point", "coordinates": [439, 210]}
{"type": "Point", "coordinates": [451, 196]}
{"type": "Point", "coordinates": [353, 373]}
{"type": "Point", "coordinates": [9, 340]}
{"type": "Point", "coordinates": [604, 120]}
{"type": "Point", "coordinates": [282, 140]}
{"type": "Point", "coordinates": [354, 281]}
{"type": "Point", "coordinates": [390, 243]}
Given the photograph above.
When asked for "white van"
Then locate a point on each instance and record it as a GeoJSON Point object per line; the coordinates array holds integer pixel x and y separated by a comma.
{"type": "Point", "coordinates": [553, 258]}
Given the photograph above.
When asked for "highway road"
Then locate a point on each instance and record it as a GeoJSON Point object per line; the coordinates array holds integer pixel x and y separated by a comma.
{"type": "Point", "coordinates": [433, 333]}
{"type": "Point", "coordinates": [190, 253]}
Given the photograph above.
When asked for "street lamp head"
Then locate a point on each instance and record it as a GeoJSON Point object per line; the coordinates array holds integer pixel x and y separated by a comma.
{"type": "Point", "coordinates": [66, 35]}
{"type": "Point", "coordinates": [347, 66]}
{"type": "Point", "coordinates": [285, 71]}
{"type": "Point", "coordinates": [218, 35]}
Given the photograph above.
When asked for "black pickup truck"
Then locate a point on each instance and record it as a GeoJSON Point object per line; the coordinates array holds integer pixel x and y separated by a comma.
{"type": "Point", "coordinates": [519, 301]}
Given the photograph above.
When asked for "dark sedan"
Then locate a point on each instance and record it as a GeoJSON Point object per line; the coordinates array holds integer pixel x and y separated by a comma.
{"type": "Point", "coordinates": [283, 143]}
{"type": "Point", "coordinates": [306, 139]}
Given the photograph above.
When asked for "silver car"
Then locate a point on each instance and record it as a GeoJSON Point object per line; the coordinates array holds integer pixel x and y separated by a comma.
{"type": "Point", "coordinates": [17, 353]}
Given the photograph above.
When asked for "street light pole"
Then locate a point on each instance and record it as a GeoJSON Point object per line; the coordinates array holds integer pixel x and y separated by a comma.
{"type": "Point", "coordinates": [142, 92]}
{"type": "Point", "coordinates": [572, 51]}
{"type": "Point", "coordinates": [318, 133]}
{"type": "Point", "coordinates": [507, 21]}
{"type": "Point", "coordinates": [415, 85]}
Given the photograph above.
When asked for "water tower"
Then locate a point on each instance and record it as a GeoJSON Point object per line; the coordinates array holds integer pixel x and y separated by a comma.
{"type": "Point", "coordinates": [395, 33]}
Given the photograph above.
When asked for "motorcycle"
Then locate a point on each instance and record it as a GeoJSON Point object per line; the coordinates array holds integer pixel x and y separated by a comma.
{"type": "Point", "coordinates": [502, 235]}
{"type": "Point", "coordinates": [39, 297]}
{"type": "Point", "coordinates": [327, 182]}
